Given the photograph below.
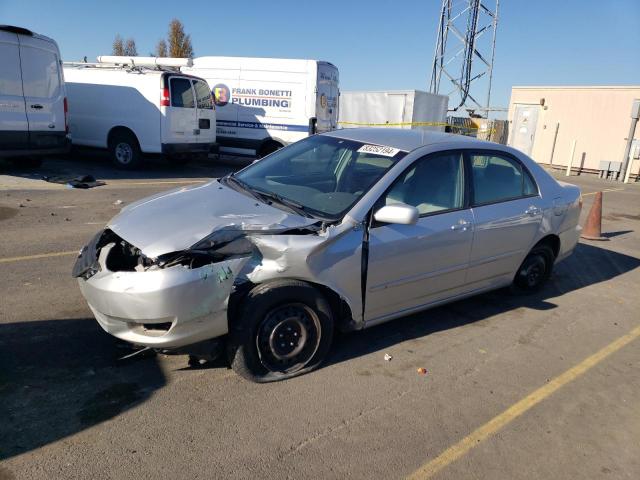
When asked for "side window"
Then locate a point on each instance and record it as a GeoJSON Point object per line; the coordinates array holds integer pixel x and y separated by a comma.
{"type": "Point", "coordinates": [203, 95]}
{"type": "Point", "coordinates": [40, 75]}
{"type": "Point", "coordinates": [10, 81]}
{"type": "Point", "coordinates": [432, 184]}
{"type": "Point", "coordinates": [497, 178]}
{"type": "Point", "coordinates": [181, 93]}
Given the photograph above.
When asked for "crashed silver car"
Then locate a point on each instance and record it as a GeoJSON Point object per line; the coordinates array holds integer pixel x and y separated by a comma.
{"type": "Point", "coordinates": [342, 230]}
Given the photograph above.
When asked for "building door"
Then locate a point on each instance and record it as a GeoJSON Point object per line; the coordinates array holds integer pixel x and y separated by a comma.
{"type": "Point", "coordinates": [525, 119]}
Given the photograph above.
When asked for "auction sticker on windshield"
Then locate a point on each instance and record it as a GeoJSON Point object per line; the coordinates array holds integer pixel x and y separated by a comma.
{"type": "Point", "coordinates": [379, 150]}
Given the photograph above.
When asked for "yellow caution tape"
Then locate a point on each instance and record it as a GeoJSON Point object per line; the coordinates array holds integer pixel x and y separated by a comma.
{"type": "Point", "coordinates": [415, 124]}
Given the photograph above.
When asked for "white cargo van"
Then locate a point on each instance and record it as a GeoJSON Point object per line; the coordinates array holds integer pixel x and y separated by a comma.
{"type": "Point", "coordinates": [33, 107]}
{"type": "Point", "coordinates": [136, 105]}
{"type": "Point", "coordinates": [266, 103]}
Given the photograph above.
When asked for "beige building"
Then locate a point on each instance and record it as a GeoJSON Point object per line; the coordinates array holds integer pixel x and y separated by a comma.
{"type": "Point", "coordinates": [544, 122]}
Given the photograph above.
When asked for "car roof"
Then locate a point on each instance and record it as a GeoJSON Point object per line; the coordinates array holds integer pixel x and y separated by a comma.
{"type": "Point", "coordinates": [404, 139]}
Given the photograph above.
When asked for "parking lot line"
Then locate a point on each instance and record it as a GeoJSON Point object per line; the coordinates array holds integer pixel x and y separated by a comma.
{"type": "Point", "coordinates": [40, 255]}
{"type": "Point", "coordinates": [456, 451]}
{"type": "Point", "coordinates": [606, 190]}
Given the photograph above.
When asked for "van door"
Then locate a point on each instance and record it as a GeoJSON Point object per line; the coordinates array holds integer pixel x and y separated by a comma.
{"type": "Point", "coordinates": [43, 92]}
{"type": "Point", "coordinates": [327, 98]}
{"type": "Point", "coordinates": [206, 115]}
{"type": "Point", "coordinates": [181, 115]}
{"type": "Point", "coordinates": [14, 129]}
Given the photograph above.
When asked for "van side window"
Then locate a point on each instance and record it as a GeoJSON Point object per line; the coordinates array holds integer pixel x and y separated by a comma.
{"type": "Point", "coordinates": [10, 81]}
{"type": "Point", "coordinates": [203, 95]}
{"type": "Point", "coordinates": [40, 74]}
{"type": "Point", "coordinates": [181, 93]}
{"type": "Point", "coordinates": [499, 178]}
{"type": "Point", "coordinates": [432, 184]}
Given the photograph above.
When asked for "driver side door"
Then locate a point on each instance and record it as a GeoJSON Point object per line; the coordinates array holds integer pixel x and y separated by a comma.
{"type": "Point", "coordinates": [411, 266]}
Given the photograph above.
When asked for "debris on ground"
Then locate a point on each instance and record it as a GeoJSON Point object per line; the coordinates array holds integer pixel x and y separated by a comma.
{"type": "Point", "coordinates": [75, 181]}
{"type": "Point", "coordinates": [422, 371]}
{"type": "Point", "coordinates": [387, 357]}
{"type": "Point", "coordinates": [118, 202]}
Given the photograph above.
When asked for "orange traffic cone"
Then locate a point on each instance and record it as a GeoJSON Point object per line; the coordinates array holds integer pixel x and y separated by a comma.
{"type": "Point", "coordinates": [593, 227]}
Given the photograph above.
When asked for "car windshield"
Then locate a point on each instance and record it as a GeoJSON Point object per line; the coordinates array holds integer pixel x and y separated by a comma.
{"type": "Point", "coordinates": [320, 176]}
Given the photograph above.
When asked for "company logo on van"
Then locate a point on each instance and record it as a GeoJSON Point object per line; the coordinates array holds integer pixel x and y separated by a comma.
{"type": "Point", "coordinates": [221, 94]}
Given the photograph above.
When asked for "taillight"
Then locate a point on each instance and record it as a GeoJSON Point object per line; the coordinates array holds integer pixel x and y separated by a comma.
{"type": "Point", "coordinates": [66, 116]}
{"type": "Point", "coordinates": [165, 100]}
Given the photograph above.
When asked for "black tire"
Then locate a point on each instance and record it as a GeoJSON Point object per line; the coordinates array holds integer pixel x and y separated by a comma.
{"type": "Point", "coordinates": [535, 270]}
{"type": "Point", "coordinates": [125, 150]}
{"type": "Point", "coordinates": [267, 148]}
{"type": "Point", "coordinates": [288, 311]}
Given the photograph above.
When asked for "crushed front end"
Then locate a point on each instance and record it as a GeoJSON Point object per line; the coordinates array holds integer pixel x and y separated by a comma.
{"type": "Point", "coordinates": [168, 302]}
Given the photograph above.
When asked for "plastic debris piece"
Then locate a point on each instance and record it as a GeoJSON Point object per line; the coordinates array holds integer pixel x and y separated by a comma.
{"type": "Point", "coordinates": [387, 357]}
{"type": "Point", "coordinates": [422, 371]}
{"type": "Point", "coordinates": [118, 202]}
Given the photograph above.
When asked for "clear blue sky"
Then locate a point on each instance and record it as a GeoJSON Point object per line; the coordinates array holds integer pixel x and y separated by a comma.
{"type": "Point", "coordinates": [376, 44]}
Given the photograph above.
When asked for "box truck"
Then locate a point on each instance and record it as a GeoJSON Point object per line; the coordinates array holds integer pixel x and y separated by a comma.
{"type": "Point", "coordinates": [137, 105]}
{"type": "Point", "coordinates": [396, 108]}
{"type": "Point", "coordinates": [266, 103]}
{"type": "Point", "coordinates": [33, 104]}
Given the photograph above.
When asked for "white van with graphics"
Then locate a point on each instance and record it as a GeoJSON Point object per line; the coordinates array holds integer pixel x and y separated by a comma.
{"type": "Point", "coordinates": [136, 105]}
{"type": "Point", "coordinates": [266, 103]}
{"type": "Point", "coordinates": [33, 104]}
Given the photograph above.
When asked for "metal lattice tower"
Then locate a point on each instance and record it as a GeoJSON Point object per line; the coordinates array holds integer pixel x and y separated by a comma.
{"type": "Point", "coordinates": [464, 53]}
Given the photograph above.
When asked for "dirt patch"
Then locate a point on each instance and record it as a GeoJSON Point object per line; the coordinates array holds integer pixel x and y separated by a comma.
{"type": "Point", "coordinates": [5, 213]}
{"type": "Point", "coordinates": [618, 216]}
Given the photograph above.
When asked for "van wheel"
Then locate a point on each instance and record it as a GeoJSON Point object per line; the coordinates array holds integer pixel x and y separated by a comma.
{"type": "Point", "coordinates": [284, 329]}
{"type": "Point", "coordinates": [124, 150]}
{"type": "Point", "coordinates": [268, 148]}
{"type": "Point", "coordinates": [535, 270]}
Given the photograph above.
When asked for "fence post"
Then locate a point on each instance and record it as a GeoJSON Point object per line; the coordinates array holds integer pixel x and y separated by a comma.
{"type": "Point", "coordinates": [573, 151]}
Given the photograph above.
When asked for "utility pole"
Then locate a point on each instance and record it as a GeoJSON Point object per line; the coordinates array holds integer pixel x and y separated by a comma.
{"type": "Point", "coordinates": [465, 50]}
{"type": "Point", "coordinates": [635, 113]}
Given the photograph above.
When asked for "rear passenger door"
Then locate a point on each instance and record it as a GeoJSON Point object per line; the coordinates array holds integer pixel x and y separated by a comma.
{"type": "Point", "coordinates": [14, 129]}
{"type": "Point", "coordinates": [182, 117]}
{"type": "Point", "coordinates": [43, 92]}
{"type": "Point", "coordinates": [507, 212]}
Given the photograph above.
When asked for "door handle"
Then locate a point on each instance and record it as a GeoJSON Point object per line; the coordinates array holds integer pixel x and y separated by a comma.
{"type": "Point", "coordinates": [462, 225]}
{"type": "Point", "coordinates": [532, 211]}
{"type": "Point", "coordinates": [36, 106]}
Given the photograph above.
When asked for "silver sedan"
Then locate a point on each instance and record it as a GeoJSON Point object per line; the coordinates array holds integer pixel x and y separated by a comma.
{"type": "Point", "coordinates": [343, 230]}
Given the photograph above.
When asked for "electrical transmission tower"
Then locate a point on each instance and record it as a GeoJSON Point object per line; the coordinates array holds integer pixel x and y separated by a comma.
{"type": "Point", "coordinates": [464, 53]}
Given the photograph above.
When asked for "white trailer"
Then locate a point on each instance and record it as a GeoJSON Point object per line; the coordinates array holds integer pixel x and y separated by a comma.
{"type": "Point", "coordinates": [131, 105]}
{"type": "Point", "coordinates": [266, 103]}
{"type": "Point", "coordinates": [396, 108]}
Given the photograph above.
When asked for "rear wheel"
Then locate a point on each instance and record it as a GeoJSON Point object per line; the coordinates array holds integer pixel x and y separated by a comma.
{"type": "Point", "coordinates": [535, 269]}
{"type": "Point", "coordinates": [268, 148]}
{"type": "Point", "coordinates": [124, 150]}
{"type": "Point", "coordinates": [285, 329]}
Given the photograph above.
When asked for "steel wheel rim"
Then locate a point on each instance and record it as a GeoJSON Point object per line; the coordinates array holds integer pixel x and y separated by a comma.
{"type": "Point", "coordinates": [534, 271]}
{"type": "Point", "coordinates": [288, 337]}
{"type": "Point", "coordinates": [124, 153]}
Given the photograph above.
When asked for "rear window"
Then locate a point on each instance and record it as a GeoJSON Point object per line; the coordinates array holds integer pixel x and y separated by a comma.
{"type": "Point", "coordinates": [40, 75]}
{"type": "Point", "coordinates": [181, 93]}
{"type": "Point", "coordinates": [203, 95]}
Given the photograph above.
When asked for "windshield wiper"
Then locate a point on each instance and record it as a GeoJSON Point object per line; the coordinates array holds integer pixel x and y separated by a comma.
{"type": "Point", "coordinates": [230, 178]}
{"type": "Point", "coordinates": [291, 204]}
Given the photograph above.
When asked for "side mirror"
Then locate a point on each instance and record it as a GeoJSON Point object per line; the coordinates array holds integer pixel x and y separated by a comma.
{"type": "Point", "coordinates": [398, 213]}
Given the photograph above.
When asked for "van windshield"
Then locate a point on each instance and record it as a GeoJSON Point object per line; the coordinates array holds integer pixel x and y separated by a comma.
{"type": "Point", "coordinates": [319, 176]}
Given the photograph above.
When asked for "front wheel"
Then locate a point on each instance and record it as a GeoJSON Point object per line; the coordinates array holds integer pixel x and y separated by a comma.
{"type": "Point", "coordinates": [535, 270]}
{"type": "Point", "coordinates": [285, 329]}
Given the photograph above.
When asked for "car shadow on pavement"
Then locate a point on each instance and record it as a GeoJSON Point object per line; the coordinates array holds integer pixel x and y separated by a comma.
{"type": "Point", "coordinates": [59, 377]}
{"type": "Point", "coordinates": [588, 265]}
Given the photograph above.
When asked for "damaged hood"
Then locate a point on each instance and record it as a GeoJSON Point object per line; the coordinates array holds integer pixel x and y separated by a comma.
{"type": "Point", "coordinates": [175, 220]}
